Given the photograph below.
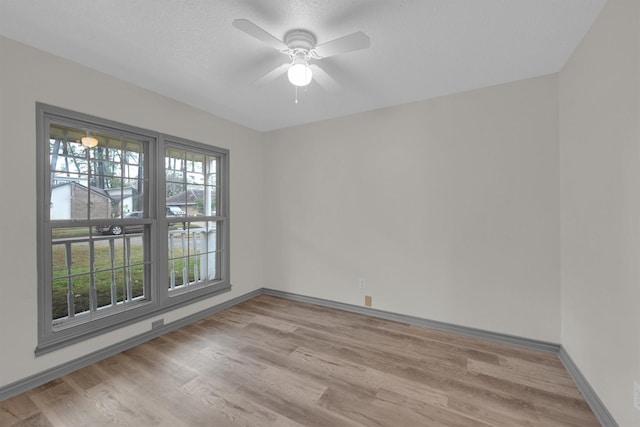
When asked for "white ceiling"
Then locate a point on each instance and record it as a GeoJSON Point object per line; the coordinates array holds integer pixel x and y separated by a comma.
{"type": "Point", "coordinates": [420, 49]}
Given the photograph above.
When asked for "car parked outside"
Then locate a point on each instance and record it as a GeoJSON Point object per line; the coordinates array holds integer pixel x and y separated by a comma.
{"type": "Point", "coordinates": [117, 229]}
{"type": "Point", "coordinates": [174, 211]}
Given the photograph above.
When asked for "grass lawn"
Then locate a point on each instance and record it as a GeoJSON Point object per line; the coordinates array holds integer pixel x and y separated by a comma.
{"type": "Point", "coordinates": [105, 273]}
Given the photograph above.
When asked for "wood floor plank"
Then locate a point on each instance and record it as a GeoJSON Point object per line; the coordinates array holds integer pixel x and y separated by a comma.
{"type": "Point", "coordinates": [525, 374]}
{"type": "Point", "coordinates": [62, 406]}
{"type": "Point", "coordinates": [306, 371]}
{"type": "Point", "coordinates": [233, 409]}
{"type": "Point", "coordinates": [367, 378]}
{"type": "Point", "coordinates": [297, 410]}
{"type": "Point", "coordinates": [275, 362]}
{"type": "Point", "coordinates": [19, 408]}
{"type": "Point", "coordinates": [419, 413]}
{"type": "Point", "coordinates": [125, 407]}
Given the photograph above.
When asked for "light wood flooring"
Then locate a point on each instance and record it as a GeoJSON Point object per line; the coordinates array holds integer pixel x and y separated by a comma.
{"type": "Point", "coordinates": [275, 362]}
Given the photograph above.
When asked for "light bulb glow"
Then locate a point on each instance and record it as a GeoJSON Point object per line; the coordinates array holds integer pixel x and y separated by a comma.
{"type": "Point", "coordinates": [89, 141]}
{"type": "Point", "coordinates": [300, 74]}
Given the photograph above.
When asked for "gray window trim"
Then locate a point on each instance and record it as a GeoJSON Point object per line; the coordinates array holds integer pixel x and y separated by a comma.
{"type": "Point", "coordinates": [175, 141]}
{"type": "Point", "coordinates": [158, 301]}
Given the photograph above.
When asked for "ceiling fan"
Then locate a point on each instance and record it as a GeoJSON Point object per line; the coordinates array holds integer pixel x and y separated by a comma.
{"type": "Point", "coordinates": [300, 46]}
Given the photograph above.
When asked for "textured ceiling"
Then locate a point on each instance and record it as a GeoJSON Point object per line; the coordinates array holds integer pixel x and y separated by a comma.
{"type": "Point", "coordinates": [420, 49]}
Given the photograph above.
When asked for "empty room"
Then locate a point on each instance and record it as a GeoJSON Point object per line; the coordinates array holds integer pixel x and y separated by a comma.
{"type": "Point", "coordinates": [320, 213]}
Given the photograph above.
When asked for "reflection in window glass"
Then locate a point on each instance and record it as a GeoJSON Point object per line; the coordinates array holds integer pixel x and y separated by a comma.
{"type": "Point", "coordinates": [105, 180]}
{"type": "Point", "coordinates": [191, 182]}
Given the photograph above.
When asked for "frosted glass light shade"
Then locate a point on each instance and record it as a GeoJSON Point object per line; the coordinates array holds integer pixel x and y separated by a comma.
{"type": "Point", "coordinates": [300, 74]}
{"type": "Point", "coordinates": [89, 141]}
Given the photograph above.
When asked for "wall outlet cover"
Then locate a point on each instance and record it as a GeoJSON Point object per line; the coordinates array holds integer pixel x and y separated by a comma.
{"type": "Point", "coordinates": [636, 395]}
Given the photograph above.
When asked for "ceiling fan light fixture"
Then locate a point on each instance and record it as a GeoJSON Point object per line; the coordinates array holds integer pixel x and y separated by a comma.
{"type": "Point", "coordinates": [299, 73]}
{"type": "Point", "coordinates": [300, 45]}
{"type": "Point", "coordinates": [89, 141]}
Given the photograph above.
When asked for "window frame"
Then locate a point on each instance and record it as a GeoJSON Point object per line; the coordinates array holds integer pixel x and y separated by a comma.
{"type": "Point", "coordinates": [186, 297]}
{"type": "Point", "coordinates": [159, 300]}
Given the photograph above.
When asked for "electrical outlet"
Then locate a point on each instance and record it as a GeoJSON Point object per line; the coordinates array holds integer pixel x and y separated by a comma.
{"type": "Point", "coordinates": [367, 300]}
{"type": "Point", "coordinates": [157, 324]}
{"type": "Point", "coordinates": [636, 395]}
{"type": "Point", "coordinates": [362, 283]}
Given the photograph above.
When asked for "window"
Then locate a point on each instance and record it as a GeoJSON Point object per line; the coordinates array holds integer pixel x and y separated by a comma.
{"type": "Point", "coordinates": [195, 243]}
{"type": "Point", "coordinates": [130, 223]}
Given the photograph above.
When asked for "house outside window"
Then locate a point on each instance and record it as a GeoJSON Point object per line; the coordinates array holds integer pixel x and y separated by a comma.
{"type": "Point", "coordinates": [112, 249]}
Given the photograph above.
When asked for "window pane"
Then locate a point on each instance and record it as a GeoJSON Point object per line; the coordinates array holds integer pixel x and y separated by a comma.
{"type": "Point", "coordinates": [91, 272]}
{"type": "Point", "coordinates": [60, 308]}
{"type": "Point", "coordinates": [70, 251]}
{"type": "Point", "coordinates": [191, 180]}
{"type": "Point", "coordinates": [176, 194]}
{"type": "Point", "coordinates": [102, 181]}
{"type": "Point", "coordinates": [81, 294]}
{"type": "Point", "coordinates": [195, 199]}
{"type": "Point", "coordinates": [211, 194]}
{"type": "Point", "coordinates": [192, 254]}
{"type": "Point", "coordinates": [108, 166]}
{"type": "Point", "coordinates": [70, 268]}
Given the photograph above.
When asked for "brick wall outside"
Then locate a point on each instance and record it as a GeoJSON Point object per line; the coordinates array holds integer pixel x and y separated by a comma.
{"type": "Point", "coordinates": [101, 206]}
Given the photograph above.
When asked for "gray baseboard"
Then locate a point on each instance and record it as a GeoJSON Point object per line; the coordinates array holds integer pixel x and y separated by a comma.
{"type": "Point", "coordinates": [594, 402]}
{"type": "Point", "coordinates": [433, 324]}
{"type": "Point", "coordinates": [585, 388]}
{"type": "Point", "coordinates": [45, 376]}
{"type": "Point", "coordinates": [596, 405]}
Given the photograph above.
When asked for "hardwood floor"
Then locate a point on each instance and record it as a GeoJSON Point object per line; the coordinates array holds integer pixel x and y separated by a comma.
{"type": "Point", "coordinates": [276, 362]}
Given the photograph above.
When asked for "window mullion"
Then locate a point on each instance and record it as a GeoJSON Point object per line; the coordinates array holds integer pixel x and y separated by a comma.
{"type": "Point", "coordinates": [112, 259]}
{"type": "Point", "coordinates": [93, 295]}
{"type": "Point", "coordinates": [128, 280]}
{"type": "Point", "coordinates": [70, 293]}
{"type": "Point", "coordinates": [82, 193]}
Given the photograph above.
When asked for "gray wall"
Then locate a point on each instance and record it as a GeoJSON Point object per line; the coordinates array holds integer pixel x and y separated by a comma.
{"type": "Point", "coordinates": [600, 194]}
{"type": "Point", "coordinates": [448, 207]}
{"type": "Point", "coordinates": [29, 75]}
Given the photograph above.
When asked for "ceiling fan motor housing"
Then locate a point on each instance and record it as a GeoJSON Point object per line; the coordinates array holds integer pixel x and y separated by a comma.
{"type": "Point", "coordinates": [300, 40]}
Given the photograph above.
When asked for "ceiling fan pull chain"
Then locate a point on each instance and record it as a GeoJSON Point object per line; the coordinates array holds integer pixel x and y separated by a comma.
{"type": "Point", "coordinates": [296, 100]}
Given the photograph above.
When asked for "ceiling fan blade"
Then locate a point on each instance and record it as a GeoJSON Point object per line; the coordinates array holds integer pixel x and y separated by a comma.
{"type": "Point", "coordinates": [253, 30]}
{"type": "Point", "coordinates": [348, 43]}
{"type": "Point", "coordinates": [272, 75]}
{"type": "Point", "coordinates": [323, 78]}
